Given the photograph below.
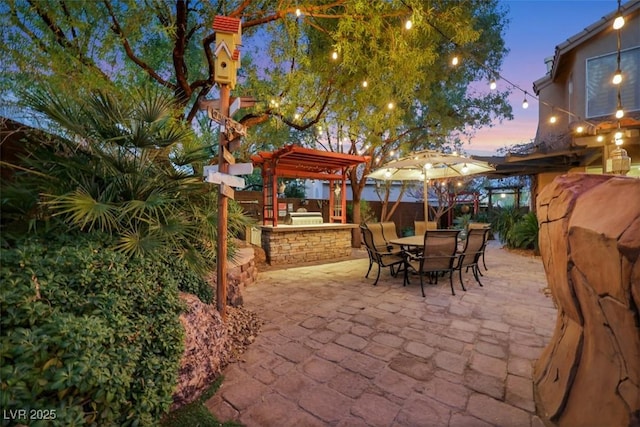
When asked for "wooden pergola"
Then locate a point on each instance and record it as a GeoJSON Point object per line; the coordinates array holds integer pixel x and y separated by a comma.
{"type": "Point", "coordinates": [294, 161]}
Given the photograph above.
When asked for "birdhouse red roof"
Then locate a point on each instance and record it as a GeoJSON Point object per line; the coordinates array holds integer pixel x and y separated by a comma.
{"type": "Point", "coordinates": [225, 24]}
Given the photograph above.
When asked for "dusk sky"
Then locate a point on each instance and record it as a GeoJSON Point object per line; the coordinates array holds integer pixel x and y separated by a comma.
{"type": "Point", "coordinates": [536, 27]}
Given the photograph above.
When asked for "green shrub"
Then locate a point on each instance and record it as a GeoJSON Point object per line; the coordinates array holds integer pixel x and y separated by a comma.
{"type": "Point", "coordinates": [503, 220]}
{"type": "Point", "coordinates": [87, 332]}
{"type": "Point", "coordinates": [524, 233]}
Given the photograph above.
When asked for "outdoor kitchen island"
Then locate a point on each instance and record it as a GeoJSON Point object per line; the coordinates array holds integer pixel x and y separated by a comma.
{"type": "Point", "coordinates": [294, 244]}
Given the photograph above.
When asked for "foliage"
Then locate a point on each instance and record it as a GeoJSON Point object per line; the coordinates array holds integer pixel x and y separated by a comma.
{"type": "Point", "coordinates": [503, 221]}
{"type": "Point", "coordinates": [462, 221]}
{"type": "Point", "coordinates": [294, 189]}
{"type": "Point", "coordinates": [196, 413]}
{"type": "Point", "coordinates": [87, 331]}
{"type": "Point", "coordinates": [125, 166]}
{"type": "Point", "coordinates": [524, 233]}
{"type": "Point", "coordinates": [366, 213]}
{"type": "Point", "coordinates": [413, 99]}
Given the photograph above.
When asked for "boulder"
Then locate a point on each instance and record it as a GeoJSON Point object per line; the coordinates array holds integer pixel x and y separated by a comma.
{"type": "Point", "coordinates": [589, 374]}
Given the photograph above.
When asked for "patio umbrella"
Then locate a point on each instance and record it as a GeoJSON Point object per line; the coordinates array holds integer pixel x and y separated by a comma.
{"type": "Point", "coordinates": [429, 164]}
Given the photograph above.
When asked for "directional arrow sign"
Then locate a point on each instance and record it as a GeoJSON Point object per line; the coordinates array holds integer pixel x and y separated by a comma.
{"type": "Point", "coordinates": [227, 191]}
{"type": "Point", "coordinates": [223, 178]}
{"type": "Point", "coordinates": [228, 156]}
{"type": "Point", "coordinates": [236, 169]}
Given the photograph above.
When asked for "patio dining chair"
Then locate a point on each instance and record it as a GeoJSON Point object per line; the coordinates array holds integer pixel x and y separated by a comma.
{"type": "Point", "coordinates": [380, 241]}
{"type": "Point", "coordinates": [383, 257]}
{"type": "Point", "coordinates": [487, 229]}
{"type": "Point", "coordinates": [471, 254]}
{"type": "Point", "coordinates": [421, 226]}
{"type": "Point", "coordinates": [439, 256]}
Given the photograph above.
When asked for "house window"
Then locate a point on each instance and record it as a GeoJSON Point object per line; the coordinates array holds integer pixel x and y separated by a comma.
{"type": "Point", "coordinates": [602, 95]}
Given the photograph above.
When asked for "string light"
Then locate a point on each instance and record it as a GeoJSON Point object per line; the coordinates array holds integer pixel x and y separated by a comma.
{"type": "Point", "coordinates": [390, 106]}
{"type": "Point", "coordinates": [492, 84]}
{"type": "Point", "coordinates": [334, 55]}
{"type": "Point", "coordinates": [553, 119]}
{"type": "Point", "coordinates": [619, 21]}
{"type": "Point", "coordinates": [580, 129]}
{"type": "Point", "coordinates": [617, 138]}
{"type": "Point", "coordinates": [408, 24]}
{"type": "Point", "coordinates": [428, 165]}
{"type": "Point", "coordinates": [465, 168]}
{"type": "Point", "coordinates": [617, 77]}
{"type": "Point", "coordinates": [525, 103]}
{"type": "Point", "coordinates": [365, 83]}
{"type": "Point", "coordinates": [455, 60]}
{"type": "Point", "coordinates": [298, 12]}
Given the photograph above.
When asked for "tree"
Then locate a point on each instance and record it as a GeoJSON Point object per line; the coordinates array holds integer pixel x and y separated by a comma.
{"type": "Point", "coordinates": [412, 99]}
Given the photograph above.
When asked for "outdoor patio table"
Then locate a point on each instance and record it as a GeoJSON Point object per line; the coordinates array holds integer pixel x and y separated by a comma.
{"type": "Point", "coordinates": [411, 243]}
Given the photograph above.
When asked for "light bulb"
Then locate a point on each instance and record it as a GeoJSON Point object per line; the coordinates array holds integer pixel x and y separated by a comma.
{"type": "Point", "coordinates": [392, 152]}
{"type": "Point", "coordinates": [296, 116]}
{"type": "Point", "coordinates": [365, 83]}
{"type": "Point", "coordinates": [298, 12]}
{"type": "Point", "coordinates": [580, 129]}
{"type": "Point", "coordinates": [465, 168]}
{"type": "Point", "coordinates": [617, 138]}
{"type": "Point", "coordinates": [428, 165]}
{"type": "Point", "coordinates": [619, 112]}
{"type": "Point", "coordinates": [390, 106]}
{"type": "Point", "coordinates": [387, 173]}
{"type": "Point", "coordinates": [455, 60]}
{"type": "Point", "coordinates": [408, 24]}
{"type": "Point", "coordinates": [617, 77]}
{"type": "Point", "coordinates": [334, 55]}
{"type": "Point", "coordinates": [553, 119]}
{"type": "Point", "coordinates": [525, 103]}
{"type": "Point", "coordinates": [600, 138]}
{"type": "Point", "coordinates": [493, 85]}
{"type": "Point", "coordinates": [618, 22]}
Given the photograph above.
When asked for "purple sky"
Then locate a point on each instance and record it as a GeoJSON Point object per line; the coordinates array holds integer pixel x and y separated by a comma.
{"type": "Point", "coordinates": [535, 29]}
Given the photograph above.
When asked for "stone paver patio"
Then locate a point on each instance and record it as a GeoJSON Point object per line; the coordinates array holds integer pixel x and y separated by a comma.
{"type": "Point", "coordinates": [336, 351]}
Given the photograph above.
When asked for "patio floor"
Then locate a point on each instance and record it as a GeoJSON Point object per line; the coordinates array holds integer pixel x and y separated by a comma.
{"type": "Point", "coordinates": [336, 351]}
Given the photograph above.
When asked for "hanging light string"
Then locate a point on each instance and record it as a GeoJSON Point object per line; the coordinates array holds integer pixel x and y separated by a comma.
{"type": "Point", "coordinates": [618, 23]}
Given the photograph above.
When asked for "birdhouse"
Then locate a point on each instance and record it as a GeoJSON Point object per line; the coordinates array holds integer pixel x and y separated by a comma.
{"type": "Point", "coordinates": [228, 41]}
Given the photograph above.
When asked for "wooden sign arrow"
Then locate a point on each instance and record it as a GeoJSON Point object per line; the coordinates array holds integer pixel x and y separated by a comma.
{"type": "Point", "coordinates": [228, 156]}
{"type": "Point", "coordinates": [235, 169]}
{"type": "Point", "coordinates": [227, 191]}
{"type": "Point", "coordinates": [223, 178]}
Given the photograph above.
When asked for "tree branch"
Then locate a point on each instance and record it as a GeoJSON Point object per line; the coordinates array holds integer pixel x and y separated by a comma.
{"type": "Point", "coordinates": [115, 27]}
{"type": "Point", "coordinates": [183, 88]}
{"type": "Point", "coordinates": [61, 39]}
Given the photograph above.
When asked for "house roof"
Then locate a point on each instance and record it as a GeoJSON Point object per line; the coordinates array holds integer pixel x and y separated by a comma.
{"type": "Point", "coordinates": [604, 24]}
{"type": "Point", "coordinates": [294, 161]}
{"type": "Point", "coordinates": [225, 24]}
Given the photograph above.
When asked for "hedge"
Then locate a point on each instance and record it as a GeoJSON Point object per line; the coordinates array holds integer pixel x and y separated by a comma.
{"type": "Point", "coordinates": [88, 336]}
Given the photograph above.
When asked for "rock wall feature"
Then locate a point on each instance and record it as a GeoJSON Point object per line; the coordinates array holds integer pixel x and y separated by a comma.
{"type": "Point", "coordinates": [299, 244]}
{"type": "Point", "coordinates": [207, 347]}
{"type": "Point", "coordinates": [241, 272]}
{"type": "Point", "coordinates": [589, 374]}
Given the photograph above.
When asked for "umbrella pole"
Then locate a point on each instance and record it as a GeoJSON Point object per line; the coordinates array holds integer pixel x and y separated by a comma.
{"type": "Point", "coordinates": [425, 191]}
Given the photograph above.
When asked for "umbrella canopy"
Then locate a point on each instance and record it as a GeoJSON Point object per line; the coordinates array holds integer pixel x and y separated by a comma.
{"type": "Point", "coordinates": [430, 164]}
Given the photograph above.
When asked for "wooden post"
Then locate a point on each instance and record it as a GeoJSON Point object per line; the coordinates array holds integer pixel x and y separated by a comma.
{"type": "Point", "coordinates": [223, 205]}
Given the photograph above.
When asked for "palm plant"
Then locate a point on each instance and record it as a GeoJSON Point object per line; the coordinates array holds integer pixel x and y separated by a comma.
{"type": "Point", "coordinates": [503, 220]}
{"type": "Point", "coordinates": [524, 233]}
{"type": "Point", "coordinates": [128, 167]}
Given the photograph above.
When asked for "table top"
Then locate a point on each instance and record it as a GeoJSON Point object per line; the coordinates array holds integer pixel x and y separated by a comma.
{"type": "Point", "coordinates": [408, 241]}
